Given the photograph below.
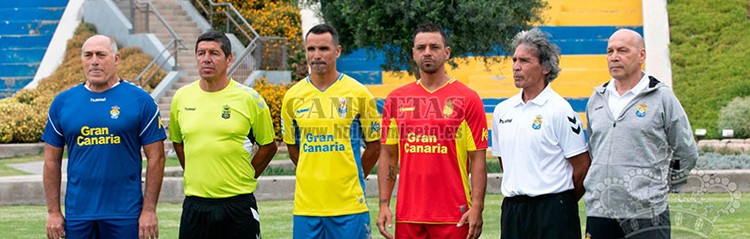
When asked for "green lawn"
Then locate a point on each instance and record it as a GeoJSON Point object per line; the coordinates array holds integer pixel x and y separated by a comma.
{"type": "Point", "coordinates": [276, 218]}
{"type": "Point", "coordinates": [6, 170]}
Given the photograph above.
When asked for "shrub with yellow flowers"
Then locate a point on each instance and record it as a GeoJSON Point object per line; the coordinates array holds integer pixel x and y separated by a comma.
{"type": "Point", "coordinates": [279, 18]}
{"type": "Point", "coordinates": [274, 95]}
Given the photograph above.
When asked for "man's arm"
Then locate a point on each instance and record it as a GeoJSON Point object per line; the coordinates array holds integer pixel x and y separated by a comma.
{"type": "Point", "coordinates": [263, 157]}
{"type": "Point", "coordinates": [386, 181]}
{"type": "Point", "coordinates": [370, 156]}
{"type": "Point", "coordinates": [148, 226]}
{"type": "Point", "coordinates": [179, 150]}
{"type": "Point", "coordinates": [581, 164]}
{"type": "Point", "coordinates": [52, 178]}
{"type": "Point", "coordinates": [293, 153]}
{"type": "Point", "coordinates": [478, 171]}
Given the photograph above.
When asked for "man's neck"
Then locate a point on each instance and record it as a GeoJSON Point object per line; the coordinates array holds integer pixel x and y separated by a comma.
{"type": "Point", "coordinates": [530, 93]}
{"type": "Point", "coordinates": [103, 87]}
{"type": "Point", "coordinates": [434, 81]}
{"type": "Point", "coordinates": [214, 85]}
{"type": "Point", "coordinates": [325, 80]}
{"type": "Point", "coordinates": [624, 85]}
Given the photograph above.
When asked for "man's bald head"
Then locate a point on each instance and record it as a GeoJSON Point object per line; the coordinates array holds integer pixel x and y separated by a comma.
{"type": "Point", "coordinates": [100, 38]}
{"type": "Point", "coordinates": [630, 36]}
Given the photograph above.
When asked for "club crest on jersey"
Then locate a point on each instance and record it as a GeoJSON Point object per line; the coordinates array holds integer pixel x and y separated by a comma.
{"type": "Point", "coordinates": [342, 107]}
{"type": "Point", "coordinates": [226, 113]}
{"type": "Point", "coordinates": [114, 113]}
{"type": "Point", "coordinates": [640, 111]}
{"type": "Point", "coordinates": [448, 108]}
{"type": "Point", "coordinates": [537, 123]}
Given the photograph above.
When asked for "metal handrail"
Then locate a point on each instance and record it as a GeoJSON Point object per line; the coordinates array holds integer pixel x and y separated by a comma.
{"type": "Point", "coordinates": [175, 43]}
{"type": "Point", "coordinates": [254, 39]}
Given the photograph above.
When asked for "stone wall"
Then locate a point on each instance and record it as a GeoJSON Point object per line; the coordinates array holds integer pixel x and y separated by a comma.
{"type": "Point", "coordinates": [741, 145]}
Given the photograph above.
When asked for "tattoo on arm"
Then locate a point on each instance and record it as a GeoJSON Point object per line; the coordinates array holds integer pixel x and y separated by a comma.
{"type": "Point", "coordinates": [391, 173]}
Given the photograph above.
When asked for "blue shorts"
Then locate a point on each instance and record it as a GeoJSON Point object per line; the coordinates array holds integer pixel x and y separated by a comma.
{"type": "Point", "coordinates": [104, 229]}
{"type": "Point", "coordinates": [355, 226]}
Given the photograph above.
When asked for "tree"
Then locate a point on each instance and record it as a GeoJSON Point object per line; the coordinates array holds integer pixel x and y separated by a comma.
{"type": "Point", "coordinates": [479, 28]}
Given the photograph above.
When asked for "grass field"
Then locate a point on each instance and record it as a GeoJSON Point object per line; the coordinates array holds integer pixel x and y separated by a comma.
{"type": "Point", "coordinates": [276, 218]}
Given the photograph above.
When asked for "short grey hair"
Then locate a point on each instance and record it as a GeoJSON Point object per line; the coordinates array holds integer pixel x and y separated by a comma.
{"type": "Point", "coordinates": [548, 53]}
{"type": "Point", "coordinates": [113, 45]}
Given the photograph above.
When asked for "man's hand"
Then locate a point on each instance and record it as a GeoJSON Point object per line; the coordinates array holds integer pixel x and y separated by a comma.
{"type": "Point", "coordinates": [55, 226]}
{"type": "Point", "coordinates": [148, 227]}
{"type": "Point", "coordinates": [474, 218]}
{"type": "Point", "coordinates": [385, 219]}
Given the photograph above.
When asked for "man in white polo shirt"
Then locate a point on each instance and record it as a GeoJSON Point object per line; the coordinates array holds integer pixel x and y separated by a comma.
{"type": "Point", "coordinates": [540, 143]}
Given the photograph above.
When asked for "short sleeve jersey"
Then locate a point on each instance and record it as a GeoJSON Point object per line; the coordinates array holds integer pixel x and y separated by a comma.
{"type": "Point", "coordinates": [534, 139]}
{"type": "Point", "coordinates": [213, 126]}
{"type": "Point", "coordinates": [329, 127]}
{"type": "Point", "coordinates": [434, 132]}
{"type": "Point", "coordinates": [104, 133]}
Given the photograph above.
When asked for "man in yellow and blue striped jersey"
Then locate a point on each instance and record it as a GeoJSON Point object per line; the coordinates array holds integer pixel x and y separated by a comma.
{"type": "Point", "coordinates": [326, 118]}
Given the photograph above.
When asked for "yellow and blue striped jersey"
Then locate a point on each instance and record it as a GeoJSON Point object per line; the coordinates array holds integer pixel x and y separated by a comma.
{"type": "Point", "coordinates": [329, 127]}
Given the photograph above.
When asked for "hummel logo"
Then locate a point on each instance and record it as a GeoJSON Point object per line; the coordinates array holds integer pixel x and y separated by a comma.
{"type": "Point", "coordinates": [599, 107]}
{"type": "Point", "coordinates": [576, 130]}
{"type": "Point", "coordinates": [572, 119]}
{"type": "Point", "coordinates": [98, 99]}
{"type": "Point", "coordinates": [405, 109]}
{"type": "Point", "coordinates": [189, 109]}
{"type": "Point", "coordinates": [502, 121]}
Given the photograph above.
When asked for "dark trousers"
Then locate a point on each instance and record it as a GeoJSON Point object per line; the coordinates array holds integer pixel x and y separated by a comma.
{"type": "Point", "coordinates": [545, 216]}
{"type": "Point", "coordinates": [648, 228]}
{"type": "Point", "coordinates": [233, 217]}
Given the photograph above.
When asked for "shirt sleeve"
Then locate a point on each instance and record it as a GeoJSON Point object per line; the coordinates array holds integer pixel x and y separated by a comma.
{"type": "Point", "coordinates": [175, 134]}
{"type": "Point", "coordinates": [569, 130]}
{"type": "Point", "coordinates": [151, 128]}
{"type": "Point", "coordinates": [476, 119]}
{"type": "Point", "coordinates": [369, 117]}
{"type": "Point", "coordinates": [53, 133]}
{"type": "Point", "coordinates": [680, 138]}
{"type": "Point", "coordinates": [288, 131]}
{"type": "Point", "coordinates": [262, 126]}
{"type": "Point", "coordinates": [389, 129]}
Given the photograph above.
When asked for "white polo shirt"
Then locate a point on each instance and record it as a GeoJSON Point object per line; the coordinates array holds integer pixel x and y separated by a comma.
{"type": "Point", "coordinates": [618, 102]}
{"type": "Point", "coordinates": [534, 139]}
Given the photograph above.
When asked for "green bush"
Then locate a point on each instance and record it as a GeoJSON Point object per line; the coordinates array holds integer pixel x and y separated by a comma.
{"type": "Point", "coordinates": [710, 54]}
{"type": "Point", "coordinates": [735, 116]}
{"type": "Point", "coordinates": [713, 161]}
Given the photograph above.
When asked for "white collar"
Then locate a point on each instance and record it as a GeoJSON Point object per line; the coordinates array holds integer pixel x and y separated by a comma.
{"type": "Point", "coordinates": [637, 89]}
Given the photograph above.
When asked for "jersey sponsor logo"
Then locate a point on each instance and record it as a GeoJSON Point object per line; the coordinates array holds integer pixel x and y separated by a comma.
{"type": "Point", "coordinates": [320, 143]}
{"type": "Point", "coordinates": [96, 136]}
{"type": "Point", "coordinates": [485, 134]}
{"type": "Point", "coordinates": [226, 113]}
{"type": "Point", "coordinates": [640, 111]}
{"type": "Point", "coordinates": [503, 121]}
{"type": "Point", "coordinates": [598, 107]}
{"type": "Point", "coordinates": [428, 144]}
{"type": "Point", "coordinates": [342, 109]}
{"type": "Point", "coordinates": [537, 124]}
{"type": "Point", "coordinates": [114, 113]}
{"type": "Point", "coordinates": [98, 99]}
{"type": "Point", "coordinates": [189, 108]}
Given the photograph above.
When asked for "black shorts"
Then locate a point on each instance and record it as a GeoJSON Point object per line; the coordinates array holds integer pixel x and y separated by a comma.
{"type": "Point", "coordinates": [658, 227]}
{"type": "Point", "coordinates": [545, 216]}
{"type": "Point", "coordinates": [233, 217]}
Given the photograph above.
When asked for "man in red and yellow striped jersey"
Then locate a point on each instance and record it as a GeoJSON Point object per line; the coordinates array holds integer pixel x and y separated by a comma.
{"type": "Point", "coordinates": [436, 130]}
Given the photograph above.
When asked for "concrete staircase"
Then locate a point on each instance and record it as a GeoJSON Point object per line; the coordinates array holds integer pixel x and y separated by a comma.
{"type": "Point", "coordinates": [185, 28]}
